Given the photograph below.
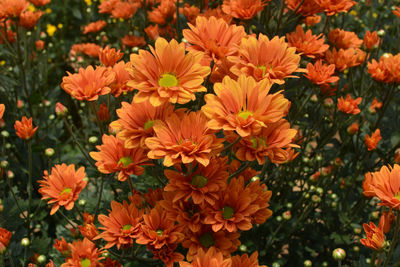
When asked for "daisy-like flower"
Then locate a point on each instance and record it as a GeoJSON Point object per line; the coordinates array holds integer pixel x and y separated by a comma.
{"type": "Point", "coordinates": [94, 26]}
{"type": "Point", "coordinates": [208, 258]}
{"type": "Point", "coordinates": [84, 253]}
{"type": "Point", "coordinates": [89, 83]}
{"type": "Point", "coordinates": [387, 187]}
{"type": "Point", "coordinates": [349, 105]}
{"type": "Point", "coordinates": [178, 141]}
{"type": "Point", "coordinates": [122, 76]}
{"type": "Point", "coordinates": [367, 185]}
{"type": "Point", "coordinates": [136, 121]}
{"type": "Point", "coordinates": [158, 230]}
{"type": "Point", "coordinates": [375, 238]}
{"type": "Point", "coordinates": [109, 56]}
{"type": "Point", "coordinates": [62, 186]}
{"type": "Point", "coordinates": [214, 37]}
{"type": "Point", "coordinates": [372, 141]}
{"type": "Point", "coordinates": [305, 8]}
{"type": "Point", "coordinates": [5, 237]}
{"type": "Point", "coordinates": [271, 142]}
{"type": "Point", "coordinates": [332, 7]}
{"type": "Point", "coordinates": [260, 201]}
{"type": "Point", "coordinates": [371, 40]}
{"type": "Point", "coordinates": [121, 225]}
{"type": "Point", "coordinates": [306, 43]}
{"type": "Point", "coordinates": [24, 128]}
{"type": "Point", "coordinates": [12, 8]}
{"type": "Point", "coordinates": [374, 105]}
{"type": "Point", "coordinates": [244, 106]}
{"type": "Point", "coordinates": [344, 39]}
{"type": "Point", "coordinates": [201, 185]}
{"type": "Point", "coordinates": [160, 14]}
{"type": "Point", "coordinates": [167, 74]}
{"type": "Point", "coordinates": [345, 58]}
{"type": "Point", "coordinates": [245, 260]}
{"type": "Point", "coordinates": [28, 19]}
{"type": "Point", "coordinates": [243, 9]}
{"type": "Point", "coordinates": [114, 157]}
{"type": "Point", "coordinates": [387, 70]}
{"type": "Point", "coordinates": [62, 247]}
{"type": "Point", "coordinates": [264, 58]}
{"type": "Point", "coordinates": [320, 74]}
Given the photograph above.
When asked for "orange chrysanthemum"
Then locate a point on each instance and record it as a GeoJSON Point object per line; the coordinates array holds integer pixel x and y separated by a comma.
{"type": "Point", "coordinates": [12, 8]}
{"type": "Point", "coordinates": [88, 230]}
{"type": "Point", "coordinates": [312, 20]}
{"type": "Point", "coordinates": [84, 253]}
{"type": "Point", "coordinates": [158, 230]}
{"type": "Point", "coordinates": [387, 70]}
{"type": "Point", "coordinates": [344, 59]}
{"type": "Point", "coordinates": [375, 105]}
{"type": "Point", "coordinates": [214, 37]}
{"type": "Point", "coordinates": [160, 14]}
{"type": "Point", "coordinates": [201, 185]}
{"type": "Point", "coordinates": [332, 7]}
{"type": "Point", "coordinates": [132, 41]}
{"type": "Point", "coordinates": [24, 128]}
{"type": "Point", "coordinates": [136, 121]}
{"type": "Point", "coordinates": [245, 260]}
{"type": "Point", "coordinates": [2, 109]}
{"type": "Point", "coordinates": [243, 9]}
{"type": "Point", "coordinates": [305, 8]}
{"type": "Point", "coordinates": [124, 10]}
{"type": "Point", "coordinates": [367, 185]}
{"type": "Point", "coordinates": [28, 19]}
{"type": "Point", "coordinates": [218, 13]}
{"type": "Point", "coordinates": [306, 43]}
{"type": "Point", "coordinates": [89, 83]}
{"type": "Point", "coordinates": [40, 2]}
{"type": "Point", "coordinates": [372, 141]}
{"type": "Point", "coordinates": [344, 39]}
{"type": "Point", "coordinates": [349, 105]}
{"type": "Point", "coordinates": [62, 186]}
{"type": "Point", "coordinates": [114, 157]}
{"type": "Point", "coordinates": [375, 238]}
{"type": "Point", "coordinates": [62, 247]}
{"type": "Point", "coordinates": [90, 49]}
{"type": "Point", "coordinates": [387, 187]}
{"type": "Point", "coordinates": [160, 79]}
{"type": "Point", "coordinates": [121, 225]}
{"type": "Point", "coordinates": [396, 11]}
{"type": "Point", "coordinates": [271, 142]}
{"type": "Point", "coordinates": [5, 237]}
{"type": "Point", "coordinates": [320, 73]}
{"type": "Point", "coordinates": [94, 26]}
{"type": "Point", "coordinates": [122, 76]}
{"type": "Point", "coordinates": [177, 141]}
{"type": "Point", "coordinates": [243, 105]}
{"type": "Point", "coordinates": [109, 56]}
{"type": "Point", "coordinates": [371, 40]}
{"type": "Point", "coordinates": [190, 12]}
{"type": "Point", "coordinates": [265, 58]}
{"type": "Point", "coordinates": [210, 258]}
{"type": "Point", "coordinates": [260, 201]}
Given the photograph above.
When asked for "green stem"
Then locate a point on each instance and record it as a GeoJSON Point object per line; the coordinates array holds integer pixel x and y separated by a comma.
{"type": "Point", "coordinates": [394, 240]}
{"type": "Point", "coordinates": [99, 198]}
{"type": "Point", "coordinates": [29, 189]}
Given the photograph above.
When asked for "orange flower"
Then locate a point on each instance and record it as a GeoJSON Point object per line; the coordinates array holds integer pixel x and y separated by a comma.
{"type": "Point", "coordinates": [367, 185]}
{"type": "Point", "coordinates": [121, 225]}
{"type": "Point", "coordinates": [153, 32]}
{"type": "Point", "coordinates": [88, 230]}
{"type": "Point", "coordinates": [109, 56]}
{"type": "Point", "coordinates": [243, 105]}
{"type": "Point", "coordinates": [396, 11]}
{"type": "Point", "coordinates": [160, 79]}
{"type": "Point", "coordinates": [62, 247]}
{"type": "Point", "coordinates": [214, 37]}
{"type": "Point", "coordinates": [306, 43]}
{"type": "Point", "coordinates": [332, 7]}
{"type": "Point", "coordinates": [177, 141]}
{"type": "Point", "coordinates": [2, 109]}
{"type": "Point", "coordinates": [62, 186]}
{"type": "Point", "coordinates": [158, 231]}
{"type": "Point", "coordinates": [210, 258]}
{"type": "Point", "coordinates": [124, 10]}
{"type": "Point", "coordinates": [94, 26]}
{"type": "Point", "coordinates": [136, 121]}
{"type": "Point", "coordinates": [24, 128]}
{"type": "Point", "coordinates": [84, 253]}
{"type": "Point", "coordinates": [190, 12]}
{"type": "Point", "coordinates": [167, 255]}
{"type": "Point", "coordinates": [349, 105]}
{"type": "Point", "coordinates": [344, 59]}
{"type": "Point", "coordinates": [114, 157]}
{"type": "Point", "coordinates": [60, 109]}
{"type": "Point", "coordinates": [40, 2]}
{"type": "Point", "coordinates": [218, 13]}
{"type": "Point", "coordinates": [245, 260]}
{"type": "Point", "coordinates": [321, 73]}
{"type": "Point", "coordinates": [387, 70]}
{"type": "Point", "coordinates": [279, 63]}
{"type": "Point", "coordinates": [201, 185]}
{"type": "Point", "coordinates": [160, 14]}
{"type": "Point", "coordinates": [132, 41]}
{"type": "Point", "coordinates": [12, 8]}
{"type": "Point", "coordinates": [119, 85]}
{"type": "Point", "coordinates": [344, 39]}
{"type": "Point", "coordinates": [243, 9]}
{"type": "Point", "coordinates": [5, 237]}
{"type": "Point", "coordinates": [103, 113]}
{"type": "Point", "coordinates": [374, 105]}
{"type": "Point", "coordinates": [375, 238]}
{"type": "Point", "coordinates": [372, 141]}
{"type": "Point", "coordinates": [305, 8]}
{"type": "Point", "coordinates": [272, 142]}
{"type": "Point", "coordinates": [89, 83]}
{"type": "Point", "coordinates": [260, 201]}
{"type": "Point", "coordinates": [312, 20]}
{"type": "Point", "coordinates": [371, 40]}
{"type": "Point", "coordinates": [387, 219]}
{"type": "Point", "coordinates": [90, 49]}
{"type": "Point", "coordinates": [387, 187]}
{"type": "Point", "coordinates": [28, 19]}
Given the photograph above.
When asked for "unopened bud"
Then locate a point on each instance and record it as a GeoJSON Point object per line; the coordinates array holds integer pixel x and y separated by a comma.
{"type": "Point", "coordinates": [339, 254]}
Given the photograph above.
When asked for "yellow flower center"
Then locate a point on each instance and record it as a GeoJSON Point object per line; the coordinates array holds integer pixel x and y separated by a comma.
{"type": "Point", "coordinates": [257, 142]}
{"type": "Point", "coordinates": [206, 240]}
{"type": "Point", "coordinates": [227, 212]}
{"type": "Point", "coordinates": [199, 181]}
{"type": "Point", "coordinates": [397, 195]}
{"type": "Point", "coordinates": [126, 227]}
{"type": "Point", "coordinates": [85, 263]}
{"type": "Point", "coordinates": [148, 125]}
{"type": "Point", "coordinates": [264, 69]}
{"type": "Point", "coordinates": [245, 114]}
{"type": "Point", "coordinates": [66, 190]}
{"type": "Point", "coordinates": [125, 161]}
{"type": "Point", "coordinates": [159, 232]}
{"type": "Point", "coordinates": [168, 80]}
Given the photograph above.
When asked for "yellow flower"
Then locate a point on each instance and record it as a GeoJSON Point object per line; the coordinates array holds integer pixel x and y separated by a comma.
{"type": "Point", "coordinates": [50, 29]}
{"type": "Point", "coordinates": [88, 2]}
{"type": "Point", "coordinates": [31, 8]}
{"type": "Point", "coordinates": [48, 10]}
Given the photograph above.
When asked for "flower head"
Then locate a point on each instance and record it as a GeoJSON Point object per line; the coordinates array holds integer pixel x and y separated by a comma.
{"type": "Point", "coordinates": [375, 238]}
{"type": "Point", "coordinates": [62, 247]}
{"type": "Point", "coordinates": [386, 186]}
{"type": "Point", "coordinates": [372, 141]}
{"type": "Point", "coordinates": [62, 186]}
{"type": "Point", "coordinates": [89, 83]}
{"type": "Point", "coordinates": [320, 73]}
{"type": "Point", "coordinates": [349, 105]}
{"type": "Point", "coordinates": [160, 79]}
{"type": "Point", "coordinates": [208, 258]}
{"type": "Point", "coordinates": [245, 260]}
{"type": "Point", "coordinates": [306, 43]}
{"type": "Point", "coordinates": [332, 7]}
{"type": "Point", "coordinates": [243, 9]}
{"type": "Point", "coordinates": [24, 128]}
{"type": "Point", "coordinates": [94, 26]}
{"type": "Point", "coordinates": [345, 58]}
{"type": "Point", "coordinates": [5, 237]}
{"type": "Point", "coordinates": [371, 40]}
{"type": "Point", "coordinates": [109, 56]}
{"type": "Point", "coordinates": [84, 253]}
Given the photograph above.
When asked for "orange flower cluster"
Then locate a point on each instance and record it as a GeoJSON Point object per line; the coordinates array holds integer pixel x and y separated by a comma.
{"type": "Point", "coordinates": [311, 7]}
{"type": "Point", "coordinates": [386, 70]}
